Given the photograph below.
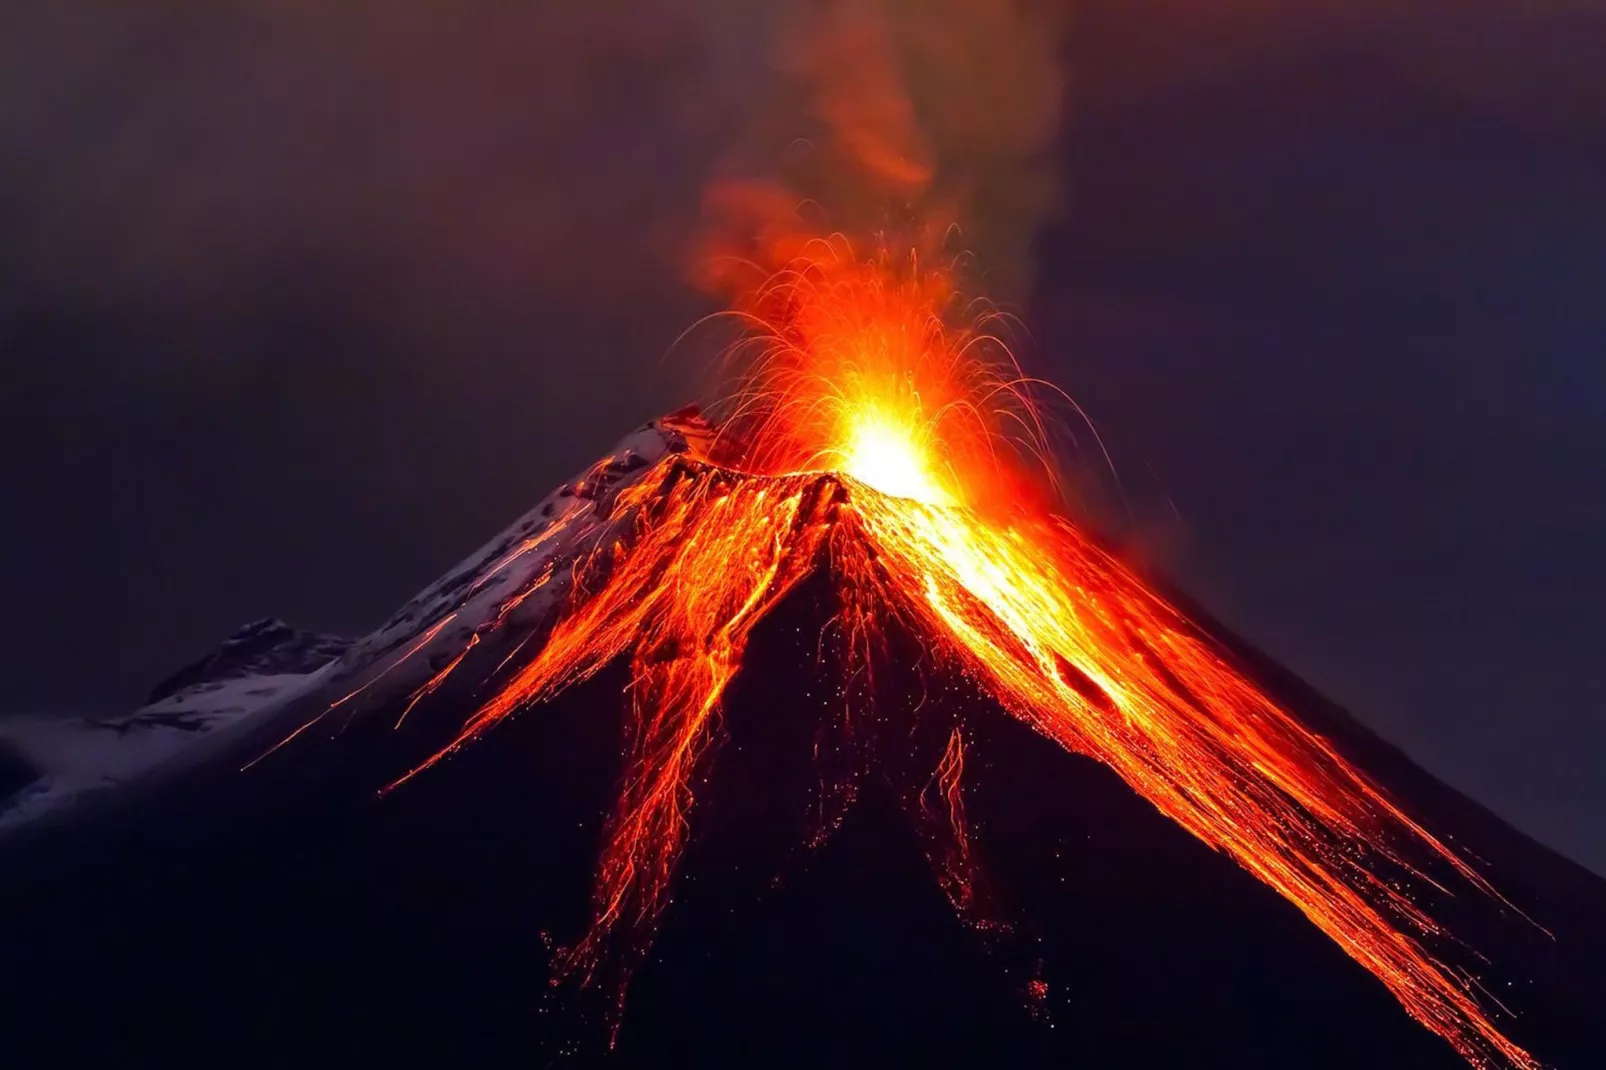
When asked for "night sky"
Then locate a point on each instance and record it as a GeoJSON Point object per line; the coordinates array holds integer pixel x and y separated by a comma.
{"type": "Point", "coordinates": [298, 307]}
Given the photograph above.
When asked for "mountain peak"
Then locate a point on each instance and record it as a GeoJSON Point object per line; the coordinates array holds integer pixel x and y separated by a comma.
{"type": "Point", "coordinates": [266, 646]}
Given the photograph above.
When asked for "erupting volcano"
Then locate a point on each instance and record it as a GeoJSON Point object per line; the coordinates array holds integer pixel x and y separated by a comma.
{"type": "Point", "coordinates": [874, 441]}
{"type": "Point", "coordinates": [875, 494]}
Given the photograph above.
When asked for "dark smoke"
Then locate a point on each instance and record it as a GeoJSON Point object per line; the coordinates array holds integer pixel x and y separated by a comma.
{"type": "Point", "coordinates": [936, 117]}
{"type": "Point", "coordinates": [194, 161]}
{"type": "Point", "coordinates": [463, 155]}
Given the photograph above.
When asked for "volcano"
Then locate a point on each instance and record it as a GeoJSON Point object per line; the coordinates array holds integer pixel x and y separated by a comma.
{"type": "Point", "coordinates": [847, 846]}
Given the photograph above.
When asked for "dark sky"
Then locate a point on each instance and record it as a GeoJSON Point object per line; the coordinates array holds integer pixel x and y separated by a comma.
{"type": "Point", "coordinates": [297, 307]}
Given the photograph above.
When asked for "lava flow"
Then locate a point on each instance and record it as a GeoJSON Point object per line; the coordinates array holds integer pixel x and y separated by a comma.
{"type": "Point", "coordinates": [872, 438]}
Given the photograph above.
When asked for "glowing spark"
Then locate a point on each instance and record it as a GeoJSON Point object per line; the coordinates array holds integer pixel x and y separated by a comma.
{"type": "Point", "coordinates": [885, 456]}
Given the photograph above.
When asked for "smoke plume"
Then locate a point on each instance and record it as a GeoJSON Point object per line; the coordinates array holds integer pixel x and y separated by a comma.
{"type": "Point", "coordinates": [458, 156]}
{"type": "Point", "coordinates": [929, 120]}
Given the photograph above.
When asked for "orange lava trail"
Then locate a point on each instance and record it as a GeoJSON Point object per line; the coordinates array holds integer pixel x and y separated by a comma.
{"type": "Point", "coordinates": [697, 565]}
{"type": "Point", "coordinates": [955, 864]}
{"type": "Point", "coordinates": [434, 682]}
{"type": "Point", "coordinates": [413, 647]}
{"type": "Point", "coordinates": [1075, 645]}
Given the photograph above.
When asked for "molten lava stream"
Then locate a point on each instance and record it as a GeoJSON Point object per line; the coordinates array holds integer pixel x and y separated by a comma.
{"type": "Point", "coordinates": [1075, 645]}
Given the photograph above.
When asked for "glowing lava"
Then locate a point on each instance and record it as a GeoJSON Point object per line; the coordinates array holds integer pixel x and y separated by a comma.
{"type": "Point", "coordinates": [883, 456]}
{"type": "Point", "coordinates": [873, 439]}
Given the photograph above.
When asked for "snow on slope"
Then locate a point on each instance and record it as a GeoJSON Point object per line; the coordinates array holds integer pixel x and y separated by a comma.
{"type": "Point", "coordinates": [472, 593]}
{"type": "Point", "coordinates": [207, 704]}
{"type": "Point", "coordinates": [72, 757]}
{"type": "Point", "coordinates": [437, 624]}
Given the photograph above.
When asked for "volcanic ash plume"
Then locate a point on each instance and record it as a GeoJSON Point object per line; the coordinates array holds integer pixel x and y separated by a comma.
{"type": "Point", "coordinates": [903, 117]}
